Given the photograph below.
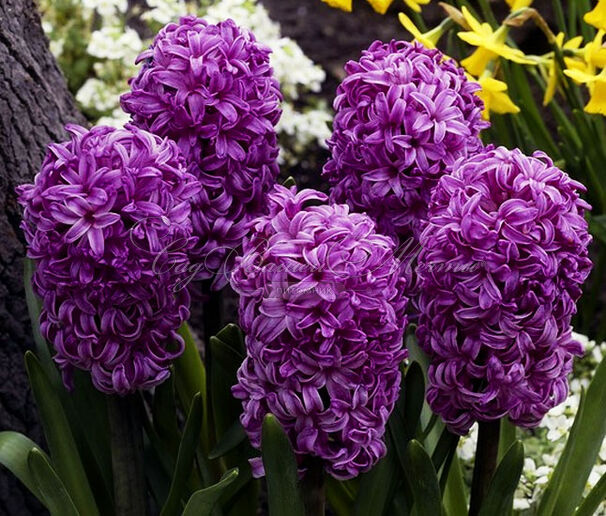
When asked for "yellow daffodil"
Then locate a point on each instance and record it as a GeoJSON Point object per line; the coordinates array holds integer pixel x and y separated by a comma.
{"type": "Point", "coordinates": [490, 45]}
{"type": "Point", "coordinates": [428, 39]}
{"type": "Point", "coordinates": [344, 5]}
{"type": "Point", "coordinates": [415, 5]}
{"type": "Point", "coordinates": [594, 55]}
{"type": "Point", "coordinates": [495, 98]}
{"type": "Point", "coordinates": [514, 5]}
{"type": "Point", "coordinates": [381, 6]}
{"type": "Point", "coordinates": [597, 89]}
{"type": "Point", "coordinates": [552, 77]}
{"type": "Point", "coordinates": [597, 16]}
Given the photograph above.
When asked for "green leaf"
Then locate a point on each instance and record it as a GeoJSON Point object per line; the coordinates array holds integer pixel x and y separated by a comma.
{"type": "Point", "coordinates": [455, 497]}
{"type": "Point", "coordinates": [378, 485]}
{"type": "Point", "coordinates": [185, 458]}
{"type": "Point", "coordinates": [232, 335]}
{"type": "Point", "coordinates": [54, 494]}
{"type": "Point", "coordinates": [34, 306]}
{"type": "Point", "coordinates": [203, 501]}
{"type": "Point", "coordinates": [190, 379]}
{"type": "Point", "coordinates": [592, 501]}
{"type": "Point", "coordinates": [597, 226]}
{"type": "Point", "coordinates": [568, 481]}
{"type": "Point", "coordinates": [338, 497]}
{"type": "Point", "coordinates": [280, 470]}
{"type": "Point", "coordinates": [164, 412]}
{"type": "Point", "coordinates": [414, 397]}
{"type": "Point", "coordinates": [507, 436]}
{"type": "Point", "coordinates": [224, 366]}
{"type": "Point", "coordinates": [14, 451]}
{"type": "Point", "coordinates": [423, 481]}
{"type": "Point", "coordinates": [59, 437]}
{"type": "Point", "coordinates": [289, 181]}
{"type": "Point", "coordinates": [499, 498]}
{"type": "Point", "coordinates": [445, 447]}
{"type": "Point", "coordinates": [230, 440]}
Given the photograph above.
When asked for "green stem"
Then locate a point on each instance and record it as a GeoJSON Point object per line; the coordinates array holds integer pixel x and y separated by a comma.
{"type": "Point", "coordinates": [127, 455]}
{"type": "Point", "coordinates": [312, 487]}
{"type": "Point", "coordinates": [485, 464]}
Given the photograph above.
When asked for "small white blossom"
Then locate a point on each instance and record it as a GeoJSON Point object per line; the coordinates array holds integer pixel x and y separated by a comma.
{"type": "Point", "coordinates": [165, 11]}
{"type": "Point", "coordinates": [106, 8]}
{"type": "Point", "coordinates": [115, 43]}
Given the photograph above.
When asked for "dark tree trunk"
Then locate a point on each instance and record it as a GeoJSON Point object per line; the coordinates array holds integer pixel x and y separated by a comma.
{"type": "Point", "coordinates": [34, 106]}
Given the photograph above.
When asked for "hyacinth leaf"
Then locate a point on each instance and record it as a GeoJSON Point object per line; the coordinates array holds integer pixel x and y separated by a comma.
{"type": "Point", "coordinates": [455, 498]}
{"type": "Point", "coordinates": [593, 500]}
{"type": "Point", "coordinates": [339, 497]}
{"type": "Point", "coordinates": [53, 492]}
{"type": "Point", "coordinates": [223, 368]}
{"type": "Point", "coordinates": [59, 437]}
{"type": "Point", "coordinates": [164, 413]}
{"type": "Point", "coordinates": [14, 452]}
{"type": "Point", "coordinates": [548, 499]}
{"type": "Point", "coordinates": [568, 481]}
{"type": "Point", "coordinates": [232, 335]}
{"type": "Point", "coordinates": [185, 458]}
{"type": "Point", "coordinates": [34, 306]}
{"type": "Point", "coordinates": [230, 440]}
{"type": "Point", "coordinates": [423, 481]}
{"type": "Point", "coordinates": [202, 502]}
{"type": "Point", "coordinates": [414, 397]}
{"type": "Point", "coordinates": [86, 411]}
{"type": "Point", "coordinates": [507, 436]}
{"type": "Point", "coordinates": [597, 227]}
{"type": "Point", "coordinates": [289, 181]}
{"type": "Point", "coordinates": [281, 473]}
{"type": "Point", "coordinates": [378, 485]}
{"type": "Point", "coordinates": [190, 379]}
{"type": "Point", "coordinates": [444, 448]}
{"type": "Point", "coordinates": [499, 498]}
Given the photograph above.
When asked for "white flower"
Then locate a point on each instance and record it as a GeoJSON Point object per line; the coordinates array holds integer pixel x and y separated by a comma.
{"type": "Point", "coordinates": [165, 11]}
{"type": "Point", "coordinates": [106, 8]}
{"type": "Point", "coordinates": [520, 504]}
{"type": "Point", "coordinates": [95, 94]}
{"type": "Point", "coordinates": [117, 119]}
{"type": "Point", "coordinates": [115, 43]}
{"type": "Point", "coordinates": [56, 47]}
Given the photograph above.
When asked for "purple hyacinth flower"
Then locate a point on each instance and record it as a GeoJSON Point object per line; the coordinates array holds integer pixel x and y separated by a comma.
{"type": "Point", "coordinates": [504, 256]}
{"type": "Point", "coordinates": [107, 221]}
{"type": "Point", "coordinates": [211, 89]}
{"type": "Point", "coordinates": [404, 114]}
{"type": "Point", "coordinates": [322, 307]}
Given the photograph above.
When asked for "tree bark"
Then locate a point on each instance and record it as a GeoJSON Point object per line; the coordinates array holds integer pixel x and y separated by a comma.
{"type": "Point", "coordinates": [34, 106]}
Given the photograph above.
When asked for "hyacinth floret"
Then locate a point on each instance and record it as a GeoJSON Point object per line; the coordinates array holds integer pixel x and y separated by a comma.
{"type": "Point", "coordinates": [107, 221]}
{"type": "Point", "coordinates": [211, 89]}
{"type": "Point", "coordinates": [322, 308]}
{"type": "Point", "coordinates": [403, 114]}
{"type": "Point", "coordinates": [503, 260]}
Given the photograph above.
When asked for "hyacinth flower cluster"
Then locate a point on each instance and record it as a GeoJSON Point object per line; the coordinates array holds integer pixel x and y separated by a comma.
{"type": "Point", "coordinates": [211, 89]}
{"type": "Point", "coordinates": [107, 221]}
{"type": "Point", "coordinates": [322, 307]}
{"type": "Point", "coordinates": [403, 115]}
{"type": "Point", "coordinates": [504, 256]}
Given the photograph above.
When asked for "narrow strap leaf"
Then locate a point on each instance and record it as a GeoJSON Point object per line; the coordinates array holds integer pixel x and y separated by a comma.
{"type": "Point", "coordinates": [280, 470]}
{"type": "Point", "coordinates": [63, 450]}
{"type": "Point", "coordinates": [592, 501]}
{"type": "Point", "coordinates": [185, 458]}
{"type": "Point", "coordinates": [499, 498]}
{"type": "Point", "coordinates": [56, 497]}
{"type": "Point", "coordinates": [14, 453]}
{"type": "Point", "coordinates": [423, 481]}
{"type": "Point", "coordinates": [202, 502]}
